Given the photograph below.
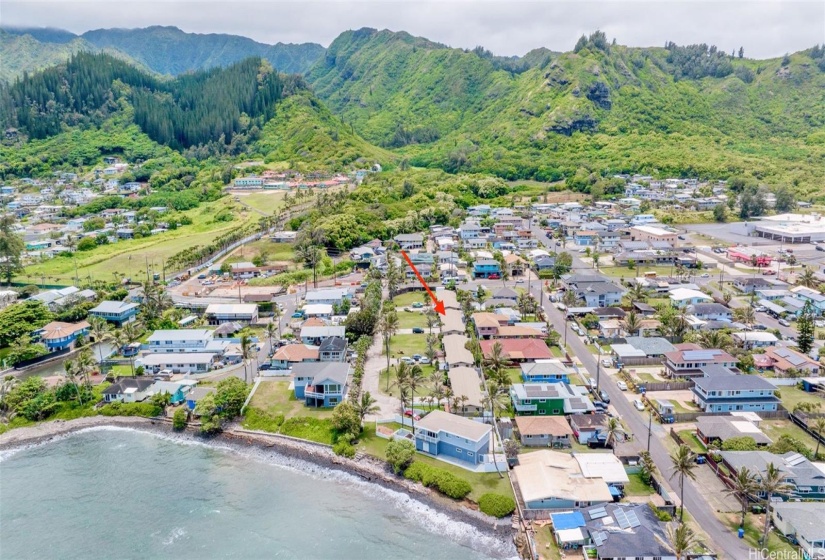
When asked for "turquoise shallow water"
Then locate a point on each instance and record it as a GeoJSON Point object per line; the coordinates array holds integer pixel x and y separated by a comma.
{"type": "Point", "coordinates": [117, 493]}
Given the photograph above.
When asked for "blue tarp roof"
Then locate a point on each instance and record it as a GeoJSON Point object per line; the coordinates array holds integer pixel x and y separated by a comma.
{"type": "Point", "coordinates": [569, 520]}
{"type": "Point", "coordinates": [614, 491]}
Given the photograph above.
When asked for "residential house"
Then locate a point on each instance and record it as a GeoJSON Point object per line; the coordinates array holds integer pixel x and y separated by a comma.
{"type": "Point", "coordinates": [197, 394]}
{"type": "Point", "coordinates": [750, 284]}
{"type": "Point", "coordinates": [683, 297]}
{"type": "Point", "coordinates": [465, 382]}
{"type": "Point", "coordinates": [185, 362]}
{"type": "Point", "coordinates": [807, 295]}
{"type": "Point", "coordinates": [177, 390]}
{"type": "Point", "coordinates": [727, 392]}
{"type": "Point", "coordinates": [245, 313]}
{"type": "Point", "coordinates": [651, 233]}
{"type": "Point", "coordinates": [407, 241]}
{"type": "Point", "coordinates": [453, 439]}
{"type": "Point", "coordinates": [507, 294]}
{"type": "Point", "coordinates": [542, 264]}
{"type": "Point", "coordinates": [321, 384]}
{"type": "Point", "coordinates": [587, 427]}
{"type": "Point", "coordinates": [688, 360]}
{"type": "Point", "coordinates": [455, 351]}
{"type": "Point", "coordinates": [641, 350]}
{"type": "Point", "coordinates": [518, 349]}
{"type": "Point", "coordinates": [545, 371]}
{"type": "Point", "coordinates": [711, 429]}
{"type": "Point", "coordinates": [452, 322]}
{"type": "Point", "coordinates": [544, 431]}
{"type": "Point", "coordinates": [754, 339]}
{"type": "Point", "coordinates": [333, 349]}
{"type": "Point", "coordinates": [320, 310]}
{"type": "Point", "coordinates": [710, 312]}
{"type": "Point", "coordinates": [802, 523]}
{"type": "Point", "coordinates": [531, 399]}
{"type": "Point", "coordinates": [176, 341]}
{"type": "Point", "coordinates": [60, 336]}
{"type": "Point", "coordinates": [314, 335]}
{"type": "Point", "coordinates": [585, 238]}
{"type": "Point", "coordinates": [117, 312]}
{"type": "Point", "coordinates": [806, 479]}
{"type": "Point", "coordinates": [128, 389]}
{"type": "Point", "coordinates": [486, 268]}
{"type": "Point", "coordinates": [551, 480]}
{"type": "Point", "coordinates": [287, 356]}
{"type": "Point", "coordinates": [784, 361]}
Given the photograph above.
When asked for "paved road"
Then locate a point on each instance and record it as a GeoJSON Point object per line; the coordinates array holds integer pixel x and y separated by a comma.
{"type": "Point", "coordinates": [721, 539]}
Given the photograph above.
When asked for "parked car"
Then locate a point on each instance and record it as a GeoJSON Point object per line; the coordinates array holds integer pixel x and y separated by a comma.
{"type": "Point", "coordinates": [769, 273]}
{"type": "Point", "coordinates": [705, 275]}
{"type": "Point", "coordinates": [601, 406]}
{"type": "Point", "coordinates": [622, 385]}
{"type": "Point", "coordinates": [417, 305]}
{"type": "Point", "coordinates": [607, 362]}
{"type": "Point", "coordinates": [418, 330]}
{"type": "Point", "coordinates": [604, 396]}
{"type": "Point", "coordinates": [682, 237]}
{"type": "Point", "coordinates": [265, 366]}
{"type": "Point", "coordinates": [639, 404]}
{"type": "Point", "coordinates": [592, 383]}
{"type": "Point", "coordinates": [760, 308]}
{"type": "Point", "coordinates": [416, 357]}
{"type": "Point", "coordinates": [494, 276]}
{"type": "Point", "coordinates": [407, 360]}
{"type": "Point", "coordinates": [411, 414]}
{"type": "Point", "coordinates": [820, 247]}
{"type": "Point", "coordinates": [784, 322]}
{"type": "Point", "coordinates": [760, 327]}
{"type": "Point", "coordinates": [424, 361]}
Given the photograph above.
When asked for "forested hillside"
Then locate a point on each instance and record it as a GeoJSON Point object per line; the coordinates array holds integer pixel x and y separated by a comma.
{"type": "Point", "coordinates": [690, 111]}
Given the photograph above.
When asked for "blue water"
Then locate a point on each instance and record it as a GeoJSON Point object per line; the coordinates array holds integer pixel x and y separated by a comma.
{"type": "Point", "coordinates": [117, 493]}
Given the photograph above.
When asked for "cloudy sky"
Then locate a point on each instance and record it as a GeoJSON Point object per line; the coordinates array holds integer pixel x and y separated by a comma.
{"type": "Point", "coordinates": [766, 28]}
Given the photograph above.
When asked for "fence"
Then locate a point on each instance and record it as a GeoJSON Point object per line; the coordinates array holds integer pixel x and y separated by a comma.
{"type": "Point", "coordinates": [666, 385]}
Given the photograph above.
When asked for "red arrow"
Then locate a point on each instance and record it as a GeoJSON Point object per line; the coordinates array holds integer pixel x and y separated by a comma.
{"type": "Point", "coordinates": [438, 305]}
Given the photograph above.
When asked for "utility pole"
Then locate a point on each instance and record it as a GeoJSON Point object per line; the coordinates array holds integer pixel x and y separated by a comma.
{"type": "Point", "coordinates": [147, 269]}
{"type": "Point", "coordinates": [649, 428]}
{"type": "Point", "coordinates": [598, 368]}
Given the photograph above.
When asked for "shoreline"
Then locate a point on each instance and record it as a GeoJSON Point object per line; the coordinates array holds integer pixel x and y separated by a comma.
{"type": "Point", "coordinates": [363, 467]}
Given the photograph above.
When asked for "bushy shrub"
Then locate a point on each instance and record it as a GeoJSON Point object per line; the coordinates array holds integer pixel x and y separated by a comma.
{"type": "Point", "coordinates": [147, 410]}
{"type": "Point", "coordinates": [179, 419]}
{"type": "Point", "coordinates": [344, 449]}
{"type": "Point", "coordinates": [257, 419]}
{"type": "Point", "coordinates": [400, 454]}
{"type": "Point", "coordinates": [444, 481]}
{"type": "Point", "coordinates": [497, 505]}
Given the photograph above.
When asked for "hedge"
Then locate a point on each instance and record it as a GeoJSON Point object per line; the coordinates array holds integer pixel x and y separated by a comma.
{"type": "Point", "coordinates": [497, 505]}
{"type": "Point", "coordinates": [147, 410]}
{"type": "Point", "coordinates": [444, 481]}
{"type": "Point", "coordinates": [344, 449]}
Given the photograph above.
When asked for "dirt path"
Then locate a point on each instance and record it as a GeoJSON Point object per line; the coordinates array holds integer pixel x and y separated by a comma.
{"type": "Point", "coordinates": [372, 370]}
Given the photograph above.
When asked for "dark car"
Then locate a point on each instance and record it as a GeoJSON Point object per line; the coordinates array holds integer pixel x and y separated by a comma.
{"type": "Point", "coordinates": [265, 366]}
{"type": "Point", "coordinates": [604, 396]}
{"type": "Point", "coordinates": [820, 247]}
{"type": "Point", "coordinates": [601, 406]}
{"type": "Point", "coordinates": [418, 330]}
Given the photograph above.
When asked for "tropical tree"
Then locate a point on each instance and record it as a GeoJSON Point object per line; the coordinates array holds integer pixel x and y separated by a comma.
{"type": "Point", "coordinates": [129, 333]}
{"type": "Point", "coordinates": [248, 352]}
{"type": "Point", "coordinates": [818, 426]}
{"type": "Point", "coordinates": [271, 329]}
{"type": "Point", "coordinates": [683, 466]}
{"type": "Point", "coordinates": [309, 247]}
{"type": "Point", "coordinates": [496, 363]}
{"type": "Point", "coordinates": [432, 319]}
{"type": "Point", "coordinates": [745, 315]}
{"type": "Point", "coordinates": [612, 430]}
{"type": "Point", "coordinates": [648, 466]}
{"type": "Point", "coordinates": [743, 486]}
{"type": "Point", "coordinates": [366, 405]}
{"type": "Point", "coordinates": [806, 329]}
{"type": "Point", "coordinates": [402, 372]}
{"type": "Point", "coordinates": [632, 322]}
{"type": "Point", "coordinates": [569, 299]}
{"type": "Point", "coordinates": [388, 326]}
{"type": "Point", "coordinates": [772, 482]}
{"type": "Point", "coordinates": [394, 276]}
{"type": "Point", "coordinates": [636, 294]}
{"type": "Point", "coordinates": [414, 381]}
{"type": "Point", "coordinates": [71, 370]}
{"type": "Point", "coordinates": [9, 383]}
{"type": "Point", "coordinates": [277, 313]}
{"type": "Point", "coordinates": [807, 278]}
{"type": "Point", "coordinates": [726, 297]}
{"type": "Point", "coordinates": [682, 539]}
{"type": "Point", "coordinates": [101, 331]}
{"type": "Point", "coordinates": [432, 341]}
{"type": "Point", "coordinates": [714, 339]}
{"type": "Point", "coordinates": [155, 301]}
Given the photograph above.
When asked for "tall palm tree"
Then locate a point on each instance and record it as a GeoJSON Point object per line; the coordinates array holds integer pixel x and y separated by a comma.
{"type": "Point", "coordinates": [647, 464]}
{"type": "Point", "coordinates": [682, 539]}
{"type": "Point", "coordinates": [745, 315]}
{"type": "Point", "coordinates": [271, 329]}
{"type": "Point", "coordinates": [683, 465]}
{"type": "Point", "coordinates": [402, 372]}
{"type": "Point", "coordinates": [388, 326]}
{"type": "Point", "coordinates": [807, 278]}
{"type": "Point", "coordinates": [743, 486]}
{"type": "Point", "coordinates": [632, 322]}
{"type": "Point", "coordinates": [432, 319]}
{"type": "Point", "coordinates": [414, 381]}
{"type": "Point", "coordinates": [247, 353]}
{"type": "Point", "coordinates": [613, 429]}
{"type": "Point", "coordinates": [636, 294]}
{"type": "Point", "coordinates": [277, 313]}
{"type": "Point", "coordinates": [309, 247]}
{"type": "Point", "coordinates": [773, 482]}
{"type": "Point", "coordinates": [714, 339]}
{"type": "Point", "coordinates": [101, 331]}
{"type": "Point", "coordinates": [70, 368]}
{"type": "Point", "coordinates": [129, 333]}
{"type": "Point", "coordinates": [85, 364]}
{"type": "Point", "coordinates": [569, 299]}
{"type": "Point", "coordinates": [366, 405]}
{"type": "Point", "coordinates": [432, 341]}
{"type": "Point", "coordinates": [818, 427]}
{"type": "Point", "coordinates": [496, 362]}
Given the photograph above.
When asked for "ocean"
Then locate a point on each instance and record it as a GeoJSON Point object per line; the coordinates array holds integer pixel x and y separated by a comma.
{"type": "Point", "coordinates": [119, 493]}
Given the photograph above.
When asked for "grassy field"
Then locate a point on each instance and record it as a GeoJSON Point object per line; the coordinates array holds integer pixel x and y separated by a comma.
{"type": "Point", "coordinates": [274, 252]}
{"type": "Point", "coordinates": [407, 299]}
{"type": "Point", "coordinates": [422, 391]}
{"type": "Point", "coordinates": [268, 202]}
{"type": "Point", "coordinates": [514, 375]}
{"type": "Point", "coordinates": [636, 486]}
{"type": "Point", "coordinates": [690, 439]}
{"type": "Point", "coordinates": [775, 429]}
{"type": "Point", "coordinates": [130, 258]}
{"type": "Point", "coordinates": [408, 344]}
{"type": "Point", "coordinates": [791, 396]}
{"type": "Point", "coordinates": [274, 397]}
{"type": "Point", "coordinates": [410, 319]}
{"type": "Point", "coordinates": [625, 272]}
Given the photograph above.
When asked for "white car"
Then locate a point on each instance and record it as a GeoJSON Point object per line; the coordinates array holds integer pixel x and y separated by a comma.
{"type": "Point", "coordinates": [592, 383]}
{"type": "Point", "coordinates": [407, 360]}
{"type": "Point", "coordinates": [639, 404]}
{"type": "Point", "coordinates": [622, 385]}
{"type": "Point", "coordinates": [424, 361]}
{"type": "Point", "coordinates": [607, 362]}
{"type": "Point", "coordinates": [706, 275]}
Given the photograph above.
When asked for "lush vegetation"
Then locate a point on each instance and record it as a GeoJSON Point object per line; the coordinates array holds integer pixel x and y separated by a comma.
{"type": "Point", "coordinates": [604, 109]}
{"type": "Point", "coordinates": [497, 505]}
{"type": "Point", "coordinates": [442, 480]}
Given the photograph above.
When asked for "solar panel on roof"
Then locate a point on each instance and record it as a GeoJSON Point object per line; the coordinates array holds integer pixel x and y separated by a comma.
{"type": "Point", "coordinates": [599, 537]}
{"type": "Point", "coordinates": [632, 518]}
{"type": "Point", "coordinates": [621, 518]}
{"type": "Point", "coordinates": [700, 354]}
{"type": "Point", "coordinates": [597, 513]}
{"type": "Point", "coordinates": [795, 459]}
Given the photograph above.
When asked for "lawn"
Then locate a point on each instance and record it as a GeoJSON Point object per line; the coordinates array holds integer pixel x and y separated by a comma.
{"type": "Point", "coordinates": [625, 272]}
{"type": "Point", "coordinates": [690, 439]}
{"type": "Point", "coordinates": [274, 397]}
{"type": "Point", "coordinates": [679, 406]}
{"type": "Point", "coordinates": [791, 396]}
{"type": "Point", "coordinates": [775, 429]}
{"type": "Point", "coordinates": [274, 252]}
{"type": "Point", "coordinates": [546, 544]}
{"type": "Point", "coordinates": [636, 486]}
{"type": "Point", "coordinates": [753, 532]}
{"type": "Point", "coordinates": [514, 375]}
{"type": "Point", "coordinates": [410, 319]}
{"type": "Point", "coordinates": [646, 377]}
{"type": "Point", "coordinates": [408, 345]}
{"type": "Point", "coordinates": [422, 391]}
{"type": "Point", "coordinates": [408, 298]}
{"type": "Point", "coordinates": [130, 258]}
{"type": "Point", "coordinates": [268, 202]}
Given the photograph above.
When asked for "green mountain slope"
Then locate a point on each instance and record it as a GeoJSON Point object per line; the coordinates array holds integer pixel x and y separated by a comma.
{"type": "Point", "coordinates": [21, 53]}
{"type": "Point", "coordinates": [604, 108]}
{"type": "Point", "coordinates": [168, 50]}
{"type": "Point", "coordinates": [42, 34]}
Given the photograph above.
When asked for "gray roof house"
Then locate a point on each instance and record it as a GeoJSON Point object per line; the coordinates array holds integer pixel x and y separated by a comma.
{"type": "Point", "coordinates": [710, 311]}
{"type": "Point", "coordinates": [731, 392]}
{"type": "Point", "coordinates": [804, 522]}
{"type": "Point", "coordinates": [409, 240]}
{"type": "Point", "coordinates": [807, 479]}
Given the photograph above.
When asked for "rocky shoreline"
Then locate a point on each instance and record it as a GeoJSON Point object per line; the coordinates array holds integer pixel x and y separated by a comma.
{"type": "Point", "coordinates": [363, 467]}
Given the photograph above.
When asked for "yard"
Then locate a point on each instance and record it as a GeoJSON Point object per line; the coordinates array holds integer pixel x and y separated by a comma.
{"type": "Point", "coordinates": [268, 202]}
{"type": "Point", "coordinates": [792, 396]}
{"type": "Point", "coordinates": [775, 429]}
{"type": "Point", "coordinates": [408, 298]}
{"type": "Point", "coordinates": [275, 398]}
{"type": "Point", "coordinates": [627, 273]}
{"type": "Point", "coordinates": [116, 259]}
{"type": "Point", "coordinates": [412, 319]}
{"type": "Point", "coordinates": [408, 345]}
{"type": "Point", "coordinates": [422, 391]}
{"type": "Point", "coordinates": [753, 533]}
{"type": "Point", "coordinates": [545, 543]}
{"type": "Point", "coordinates": [274, 252]}
{"type": "Point", "coordinates": [636, 486]}
{"type": "Point", "coordinates": [692, 441]}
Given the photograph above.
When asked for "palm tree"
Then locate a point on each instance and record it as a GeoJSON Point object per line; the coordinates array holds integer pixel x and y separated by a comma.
{"type": "Point", "coordinates": [682, 539]}
{"type": "Point", "coordinates": [85, 364]}
{"type": "Point", "coordinates": [129, 333]}
{"type": "Point", "coordinates": [432, 319]}
{"type": "Point", "coordinates": [569, 299]}
{"type": "Point", "coordinates": [744, 315]}
{"type": "Point", "coordinates": [366, 405]}
{"type": "Point", "coordinates": [744, 485]}
{"type": "Point", "coordinates": [247, 353]}
{"type": "Point", "coordinates": [271, 328]}
{"type": "Point", "coordinates": [726, 297]}
{"type": "Point", "coordinates": [277, 313]}
{"type": "Point", "coordinates": [496, 362]}
{"type": "Point", "coordinates": [773, 482]}
{"type": "Point", "coordinates": [388, 326]}
{"type": "Point", "coordinates": [70, 369]}
{"type": "Point", "coordinates": [818, 427]}
{"type": "Point", "coordinates": [683, 466]}
{"type": "Point", "coordinates": [632, 323]}
{"type": "Point", "coordinates": [101, 330]}
{"type": "Point", "coordinates": [402, 372]}
{"type": "Point", "coordinates": [432, 340]}
{"type": "Point", "coordinates": [807, 278]}
{"type": "Point", "coordinates": [637, 293]}
{"type": "Point", "coordinates": [613, 429]}
{"type": "Point", "coordinates": [714, 339]}
{"type": "Point", "coordinates": [414, 381]}
{"type": "Point", "coordinates": [648, 465]}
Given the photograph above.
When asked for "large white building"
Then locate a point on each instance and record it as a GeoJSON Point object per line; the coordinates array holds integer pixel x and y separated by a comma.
{"type": "Point", "coordinates": [789, 228]}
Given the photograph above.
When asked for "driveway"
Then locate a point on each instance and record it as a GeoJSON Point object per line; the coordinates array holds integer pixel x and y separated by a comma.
{"type": "Point", "coordinates": [372, 369]}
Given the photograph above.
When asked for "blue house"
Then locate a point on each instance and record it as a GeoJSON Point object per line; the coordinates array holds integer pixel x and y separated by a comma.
{"type": "Point", "coordinates": [585, 238]}
{"type": "Point", "coordinates": [59, 336]}
{"type": "Point", "coordinates": [728, 392]}
{"type": "Point", "coordinates": [177, 391]}
{"type": "Point", "coordinates": [452, 438]}
{"type": "Point", "coordinates": [545, 371]}
{"type": "Point", "coordinates": [320, 384]}
{"type": "Point", "coordinates": [117, 312]}
{"type": "Point", "coordinates": [486, 268]}
{"type": "Point", "coordinates": [196, 394]}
